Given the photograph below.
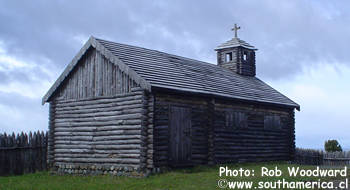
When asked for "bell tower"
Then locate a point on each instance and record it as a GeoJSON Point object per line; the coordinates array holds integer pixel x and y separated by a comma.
{"type": "Point", "coordinates": [237, 55]}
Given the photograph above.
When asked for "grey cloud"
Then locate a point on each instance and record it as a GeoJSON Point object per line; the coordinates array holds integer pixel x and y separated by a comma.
{"type": "Point", "coordinates": [7, 77]}
{"type": "Point", "coordinates": [24, 75]}
{"type": "Point", "coordinates": [46, 29]}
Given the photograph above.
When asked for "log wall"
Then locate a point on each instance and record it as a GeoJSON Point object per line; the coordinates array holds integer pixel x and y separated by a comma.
{"type": "Point", "coordinates": [213, 141]}
{"type": "Point", "coordinates": [99, 133]}
{"type": "Point", "coordinates": [252, 140]}
{"type": "Point", "coordinates": [99, 119]}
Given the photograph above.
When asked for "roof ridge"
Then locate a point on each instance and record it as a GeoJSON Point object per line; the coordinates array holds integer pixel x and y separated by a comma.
{"type": "Point", "coordinates": [162, 52]}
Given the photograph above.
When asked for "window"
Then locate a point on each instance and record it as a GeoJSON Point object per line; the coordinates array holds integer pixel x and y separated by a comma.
{"type": "Point", "coordinates": [228, 57]}
{"type": "Point", "coordinates": [235, 119]}
{"type": "Point", "coordinates": [245, 55]}
{"type": "Point", "coordinates": [229, 119]}
{"type": "Point", "coordinates": [272, 122]}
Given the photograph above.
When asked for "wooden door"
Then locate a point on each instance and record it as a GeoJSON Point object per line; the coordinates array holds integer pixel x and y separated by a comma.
{"type": "Point", "coordinates": [180, 136]}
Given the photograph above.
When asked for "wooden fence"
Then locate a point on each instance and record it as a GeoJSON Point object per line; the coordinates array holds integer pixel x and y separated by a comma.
{"type": "Point", "coordinates": [308, 156]}
{"type": "Point", "coordinates": [318, 157]}
{"type": "Point", "coordinates": [22, 153]}
{"type": "Point", "coordinates": [337, 158]}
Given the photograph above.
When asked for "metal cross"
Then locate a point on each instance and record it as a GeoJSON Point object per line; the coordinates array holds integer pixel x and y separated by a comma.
{"type": "Point", "coordinates": [236, 28]}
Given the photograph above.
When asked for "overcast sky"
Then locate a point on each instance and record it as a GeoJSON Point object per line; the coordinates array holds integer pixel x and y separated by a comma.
{"type": "Point", "coordinates": [303, 50]}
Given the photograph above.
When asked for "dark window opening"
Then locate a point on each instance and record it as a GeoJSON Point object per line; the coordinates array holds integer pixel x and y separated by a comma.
{"type": "Point", "coordinates": [255, 120]}
{"type": "Point", "coordinates": [245, 56]}
{"type": "Point", "coordinates": [235, 119]}
{"type": "Point", "coordinates": [229, 119]}
{"type": "Point", "coordinates": [272, 122]}
{"type": "Point", "coordinates": [228, 57]}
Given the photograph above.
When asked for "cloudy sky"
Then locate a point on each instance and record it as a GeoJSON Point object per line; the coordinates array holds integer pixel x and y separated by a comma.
{"type": "Point", "coordinates": [303, 50]}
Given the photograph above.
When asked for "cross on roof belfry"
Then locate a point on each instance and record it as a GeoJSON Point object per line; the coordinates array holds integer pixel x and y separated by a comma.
{"type": "Point", "coordinates": [236, 28]}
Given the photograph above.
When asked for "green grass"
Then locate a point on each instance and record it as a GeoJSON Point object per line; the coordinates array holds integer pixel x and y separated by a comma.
{"type": "Point", "coordinates": [200, 177]}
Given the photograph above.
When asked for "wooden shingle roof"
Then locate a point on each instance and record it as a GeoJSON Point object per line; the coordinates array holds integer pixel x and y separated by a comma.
{"type": "Point", "coordinates": [235, 42]}
{"type": "Point", "coordinates": [168, 71]}
{"type": "Point", "coordinates": [151, 68]}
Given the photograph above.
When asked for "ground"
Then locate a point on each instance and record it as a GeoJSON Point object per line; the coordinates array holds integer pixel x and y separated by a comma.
{"type": "Point", "coordinates": [201, 177]}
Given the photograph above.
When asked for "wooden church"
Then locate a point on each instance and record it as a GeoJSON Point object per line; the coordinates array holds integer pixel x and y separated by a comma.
{"type": "Point", "coordinates": [127, 110]}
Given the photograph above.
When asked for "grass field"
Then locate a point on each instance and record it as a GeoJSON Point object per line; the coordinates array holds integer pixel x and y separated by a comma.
{"type": "Point", "coordinates": [194, 178]}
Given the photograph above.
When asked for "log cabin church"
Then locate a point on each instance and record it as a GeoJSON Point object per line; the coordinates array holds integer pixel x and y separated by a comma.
{"type": "Point", "coordinates": [127, 110]}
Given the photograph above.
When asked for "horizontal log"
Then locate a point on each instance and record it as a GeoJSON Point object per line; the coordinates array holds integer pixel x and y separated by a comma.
{"type": "Point", "coordinates": [258, 138]}
{"type": "Point", "coordinates": [242, 155]}
{"type": "Point", "coordinates": [251, 133]}
{"type": "Point", "coordinates": [232, 151]}
{"type": "Point", "coordinates": [230, 134]}
{"type": "Point", "coordinates": [99, 133]}
{"type": "Point", "coordinates": [102, 113]}
{"type": "Point", "coordinates": [115, 142]}
{"type": "Point", "coordinates": [161, 127]}
{"type": "Point", "coordinates": [125, 127]}
{"type": "Point", "coordinates": [99, 128]}
{"type": "Point", "coordinates": [100, 118]}
{"type": "Point", "coordinates": [102, 165]}
{"type": "Point", "coordinates": [199, 156]}
{"type": "Point", "coordinates": [100, 123]}
{"type": "Point", "coordinates": [253, 147]}
{"type": "Point", "coordinates": [89, 151]}
{"type": "Point", "coordinates": [75, 129]}
{"type": "Point", "coordinates": [164, 101]}
{"type": "Point", "coordinates": [158, 143]}
{"type": "Point", "coordinates": [101, 147]}
{"type": "Point", "coordinates": [78, 150]}
{"type": "Point", "coordinates": [161, 148]}
{"type": "Point", "coordinates": [75, 138]}
{"type": "Point", "coordinates": [100, 160]}
{"type": "Point", "coordinates": [107, 108]}
{"type": "Point", "coordinates": [60, 155]}
{"type": "Point", "coordinates": [125, 104]}
{"type": "Point", "coordinates": [118, 137]}
{"type": "Point", "coordinates": [87, 105]}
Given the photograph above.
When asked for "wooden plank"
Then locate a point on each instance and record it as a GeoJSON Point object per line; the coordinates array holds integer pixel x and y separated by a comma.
{"type": "Point", "coordinates": [180, 134]}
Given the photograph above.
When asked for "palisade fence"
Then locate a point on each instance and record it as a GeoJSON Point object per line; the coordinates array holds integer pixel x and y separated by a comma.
{"type": "Point", "coordinates": [319, 157]}
{"type": "Point", "coordinates": [308, 156]}
{"type": "Point", "coordinates": [22, 153]}
{"type": "Point", "coordinates": [337, 158]}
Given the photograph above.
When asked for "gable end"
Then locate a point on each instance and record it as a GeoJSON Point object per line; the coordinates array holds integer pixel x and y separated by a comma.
{"type": "Point", "coordinates": [106, 54]}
